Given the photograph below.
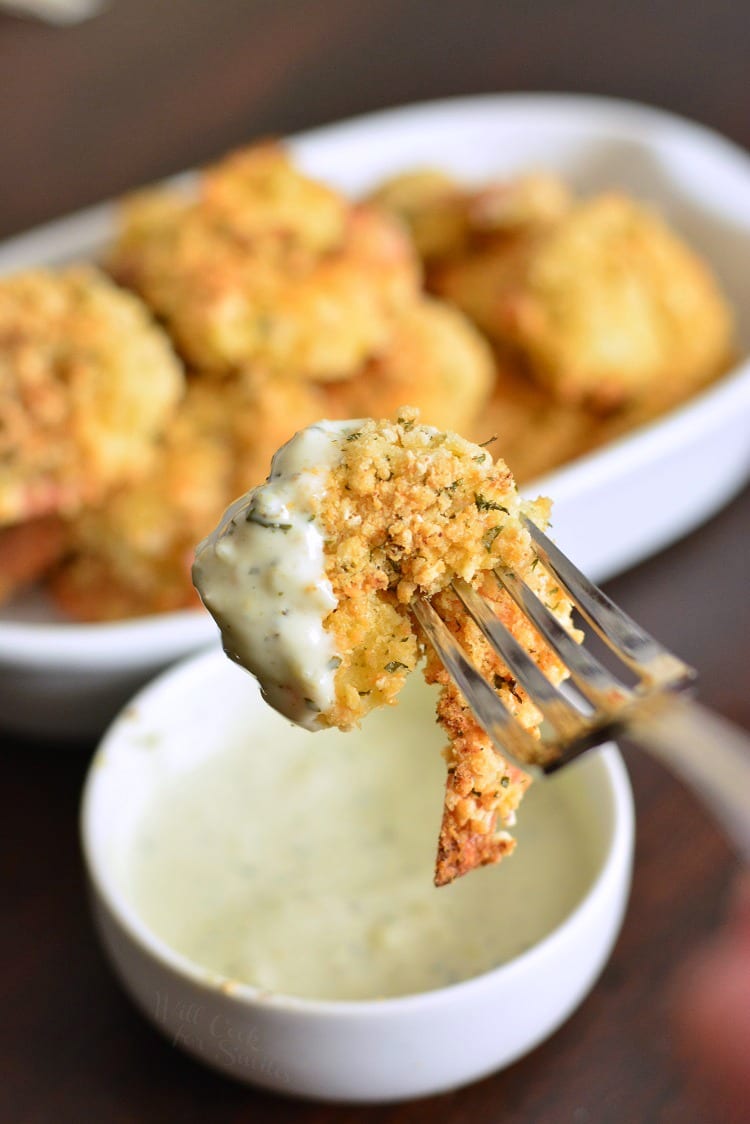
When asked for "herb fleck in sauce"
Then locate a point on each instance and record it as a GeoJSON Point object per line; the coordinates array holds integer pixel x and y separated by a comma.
{"type": "Point", "coordinates": [261, 574]}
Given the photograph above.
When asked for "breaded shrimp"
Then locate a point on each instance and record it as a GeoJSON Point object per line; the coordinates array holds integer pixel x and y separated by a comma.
{"type": "Point", "coordinates": [436, 359]}
{"type": "Point", "coordinates": [357, 520]}
{"type": "Point", "coordinates": [536, 433]}
{"type": "Point", "coordinates": [268, 267]}
{"type": "Point", "coordinates": [606, 308]}
{"type": "Point", "coordinates": [264, 411]}
{"type": "Point", "coordinates": [433, 206]}
{"type": "Point", "coordinates": [87, 383]}
{"type": "Point", "coordinates": [132, 556]}
{"type": "Point", "coordinates": [448, 220]}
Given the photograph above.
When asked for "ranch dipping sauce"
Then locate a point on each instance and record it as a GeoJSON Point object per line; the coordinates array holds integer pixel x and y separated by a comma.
{"type": "Point", "coordinates": [262, 576]}
{"type": "Point", "coordinates": [306, 869]}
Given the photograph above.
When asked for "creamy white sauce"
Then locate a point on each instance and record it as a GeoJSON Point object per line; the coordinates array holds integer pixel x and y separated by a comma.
{"type": "Point", "coordinates": [309, 871]}
{"type": "Point", "coordinates": [261, 574]}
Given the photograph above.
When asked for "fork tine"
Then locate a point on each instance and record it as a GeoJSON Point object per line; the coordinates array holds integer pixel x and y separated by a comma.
{"type": "Point", "coordinates": [706, 752]}
{"type": "Point", "coordinates": [594, 680]}
{"type": "Point", "coordinates": [509, 738]}
{"type": "Point", "coordinates": [561, 715]}
{"type": "Point", "coordinates": [632, 644]}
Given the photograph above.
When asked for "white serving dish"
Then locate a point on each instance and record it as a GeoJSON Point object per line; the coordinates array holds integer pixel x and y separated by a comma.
{"type": "Point", "coordinates": [376, 1050]}
{"type": "Point", "coordinates": [612, 507]}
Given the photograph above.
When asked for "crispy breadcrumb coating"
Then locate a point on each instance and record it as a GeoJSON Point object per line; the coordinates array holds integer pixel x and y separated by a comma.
{"type": "Point", "coordinates": [313, 579]}
{"type": "Point", "coordinates": [436, 359]}
{"type": "Point", "coordinates": [87, 382]}
{"type": "Point", "coordinates": [132, 556]}
{"type": "Point", "coordinates": [600, 317]}
{"type": "Point", "coordinates": [448, 220]}
{"type": "Point", "coordinates": [605, 308]}
{"type": "Point", "coordinates": [535, 432]}
{"type": "Point", "coordinates": [408, 509]}
{"type": "Point", "coordinates": [264, 265]}
{"type": "Point", "coordinates": [433, 207]}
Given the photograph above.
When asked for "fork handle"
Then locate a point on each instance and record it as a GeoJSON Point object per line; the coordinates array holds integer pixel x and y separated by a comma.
{"type": "Point", "coordinates": [707, 752]}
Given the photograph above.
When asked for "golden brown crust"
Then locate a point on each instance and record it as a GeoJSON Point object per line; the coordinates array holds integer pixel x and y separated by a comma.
{"type": "Point", "coordinates": [448, 220]}
{"type": "Point", "coordinates": [482, 789]}
{"type": "Point", "coordinates": [605, 308]}
{"type": "Point", "coordinates": [436, 359]}
{"type": "Point", "coordinates": [306, 306]}
{"type": "Point", "coordinates": [133, 555]}
{"type": "Point", "coordinates": [600, 316]}
{"type": "Point", "coordinates": [87, 382]}
{"type": "Point", "coordinates": [433, 207]}
{"type": "Point", "coordinates": [266, 266]}
{"type": "Point", "coordinates": [407, 511]}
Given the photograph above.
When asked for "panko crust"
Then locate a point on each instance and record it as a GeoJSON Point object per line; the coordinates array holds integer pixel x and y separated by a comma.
{"type": "Point", "coordinates": [601, 318]}
{"type": "Point", "coordinates": [519, 410]}
{"type": "Point", "coordinates": [261, 194]}
{"type": "Point", "coordinates": [433, 207]}
{"type": "Point", "coordinates": [483, 790]}
{"type": "Point", "coordinates": [87, 383]}
{"type": "Point", "coordinates": [263, 412]}
{"type": "Point", "coordinates": [482, 793]}
{"type": "Point", "coordinates": [266, 266]}
{"type": "Point", "coordinates": [448, 220]}
{"type": "Point", "coordinates": [436, 359]}
{"type": "Point", "coordinates": [132, 556]}
{"type": "Point", "coordinates": [604, 309]}
{"type": "Point", "coordinates": [409, 509]}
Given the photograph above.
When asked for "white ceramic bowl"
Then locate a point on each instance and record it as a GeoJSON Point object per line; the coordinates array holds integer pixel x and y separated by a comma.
{"type": "Point", "coordinates": [378, 1050]}
{"type": "Point", "coordinates": [612, 508]}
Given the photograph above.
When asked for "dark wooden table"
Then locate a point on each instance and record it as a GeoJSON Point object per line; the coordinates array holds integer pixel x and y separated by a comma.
{"type": "Point", "coordinates": [146, 89]}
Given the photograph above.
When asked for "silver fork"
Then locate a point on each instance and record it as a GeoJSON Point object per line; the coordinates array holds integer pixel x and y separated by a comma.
{"type": "Point", "coordinates": [705, 751]}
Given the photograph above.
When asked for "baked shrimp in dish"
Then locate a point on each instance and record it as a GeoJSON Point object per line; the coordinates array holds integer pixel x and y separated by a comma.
{"type": "Point", "coordinates": [448, 220]}
{"type": "Point", "coordinates": [132, 555]}
{"type": "Point", "coordinates": [262, 264]}
{"type": "Point", "coordinates": [87, 383]}
{"type": "Point", "coordinates": [597, 303]}
{"type": "Point", "coordinates": [436, 359]}
{"type": "Point", "coordinates": [606, 307]}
